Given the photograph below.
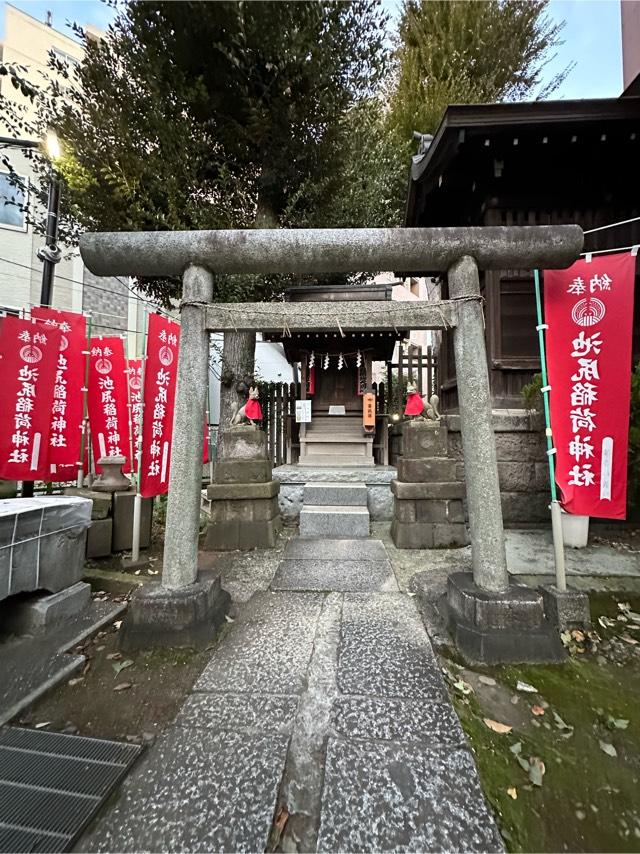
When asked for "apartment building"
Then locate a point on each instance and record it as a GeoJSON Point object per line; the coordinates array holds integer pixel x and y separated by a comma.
{"type": "Point", "coordinates": [114, 309]}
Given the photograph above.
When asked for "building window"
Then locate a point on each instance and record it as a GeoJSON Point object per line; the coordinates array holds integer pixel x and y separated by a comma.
{"type": "Point", "coordinates": [64, 57]}
{"type": "Point", "coordinates": [13, 200]}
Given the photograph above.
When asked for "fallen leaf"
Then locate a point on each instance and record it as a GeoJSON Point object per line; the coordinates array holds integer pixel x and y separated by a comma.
{"type": "Point", "coordinates": [516, 748]}
{"type": "Point", "coordinates": [618, 723]}
{"type": "Point", "coordinates": [114, 656]}
{"type": "Point", "coordinates": [624, 606]}
{"type": "Point", "coordinates": [77, 681]}
{"type": "Point", "coordinates": [122, 686]}
{"type": "Point", "coordinates": [137, 572]}
{"type": "Point", "coordinates": [606, 622]}
{"type": "Point", "coordinates": [85, 669]}
{"type": "Point", "coordinates": [512, 792]}
{"type": "Point", "coordinates": [42, 724]}
{"type": "Point", "coordinates": [536, 770]}
{"type": "Point", "coordinates": [153, 571]}
{"type": "Point", "coordinates": [537, 710]}
{"type": "Point", "coordinates": [629, 639]}
{"type": "Point", "coordinates": [463, 687]}
{"type": "Point", "coordinates": [487, 680]}
{"type": "Point", "coordinates": [524, 686]}
{"type": "Point", "coordinates": [281, 819]}
{"type": "Point", "coordinates": [560, 723]}
{"type": "Point", "coordinates": [607, 748]}
{"type": "Point", "coordinates": [576, 634]}
{"type": "Point", "coordinates": [565, 637]}
{"type": "Point", "coordinates": [100, 648]}
{"type": "Point", "coordinates": [117, 624]}
{"type": "Point", "coordinates": [229, 619]}
{"type": "Point", "coordinates": [121, 665]}
{"type": "Point", "coordinates": [496, 726]}
{"type": "Point", "coordinates": [633, 615]}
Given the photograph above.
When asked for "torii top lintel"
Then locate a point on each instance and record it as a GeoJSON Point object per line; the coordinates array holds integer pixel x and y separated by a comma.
{"type": "Point", "coordinates": [320, 250]}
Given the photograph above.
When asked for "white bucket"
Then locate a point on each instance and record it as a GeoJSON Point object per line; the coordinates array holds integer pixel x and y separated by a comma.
{"type": "Point", "coordinates": [575, 530]}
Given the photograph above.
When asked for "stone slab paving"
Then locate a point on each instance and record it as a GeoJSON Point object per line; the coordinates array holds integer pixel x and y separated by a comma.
{"type": "Point", "coordinates": [330, 704]}
{"type": "Point", "coordinates": [344, 576]}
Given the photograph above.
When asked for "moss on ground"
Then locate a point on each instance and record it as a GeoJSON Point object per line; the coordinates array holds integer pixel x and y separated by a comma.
{"type": "Point", "coordinates": [589, 800]}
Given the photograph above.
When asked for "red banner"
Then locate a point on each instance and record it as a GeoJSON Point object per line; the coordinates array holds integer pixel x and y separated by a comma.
{"type": "Point", "coordinates": [67, 411]}
{"type": "Point", "coordinates": [134, 374]}
{"type": "Point", "coordinates": [108, 413]}
{"type": "Point", "coordinates": [163, 341]}
{"type": "Point", "coordinates": [29, 356]}
{"type": "Point", "coordinates": [589, 311]}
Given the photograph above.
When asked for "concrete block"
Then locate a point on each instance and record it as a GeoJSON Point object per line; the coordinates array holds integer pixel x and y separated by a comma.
{"type": "Point", "coordinates": [447, 536]}
{"type": "Point", "coordinates": [500, 628]}
{"type": "Point", "coordinates": [516, 476]}
{"type": "Point", "coordinates": [442, 510]}
{"type": "Point", "coordinates": [334, 522]}
{"type": "Point", "coordinates": [337, 494]}
{"type": "Point", "coordinates": [188, 616]}
{"type": "Point", "coordinates": [101, 507]}
{"type": "Point", "coordinates": [404, 510]}
{"type": "Point", "coordinates": [243, 442]}
{"type": "Point", "coordinates": [42, 613]}
{"type": "Point", "coordinates": [239, 534]}
{"type": "Point", "coordinates": [247, 510]}
{"type": "Point", "coordinates": [525, 507]}
{"type": "Point", "coordinates": [452, 489]}
{"type": "Point", "coordinates": [426, 470]}
{"type": "Point", "coordinates": [123, 521]}
{"type": "Point", "coordinates": [412, 535]}
{"type": "Point", "coordinates": [567, 609]}
{"type": "Point", "coordinates": [424, 439]}
{"type": "Point", "coordinates": [99, 538]}
{"type": "Point", "coordinates": [242, 471]}
{"type": "Point", "coordinates": [250, 491]}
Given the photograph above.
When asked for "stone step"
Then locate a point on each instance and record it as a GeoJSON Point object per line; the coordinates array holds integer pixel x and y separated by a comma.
{"type": "Point", "coordinates": [349, 438]}
{"type": "Point", "coordinates": [335, 461]}
{"type": "Point", "coordinates": [335, 522]}
{"type": "Point", "coordinates": [338, 494]}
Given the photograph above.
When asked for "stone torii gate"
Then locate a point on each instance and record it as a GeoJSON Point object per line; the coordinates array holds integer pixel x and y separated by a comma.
{"type": "Point", "coordinates": [182, 607]}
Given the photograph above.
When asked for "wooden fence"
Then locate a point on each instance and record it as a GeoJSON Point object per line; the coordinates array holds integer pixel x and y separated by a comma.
{"type": "Point", "coordinates": [278, 402]}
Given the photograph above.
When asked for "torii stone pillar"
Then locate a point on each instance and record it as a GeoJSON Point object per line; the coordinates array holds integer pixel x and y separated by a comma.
{"type": "Point", "coordinates": [491, 619]}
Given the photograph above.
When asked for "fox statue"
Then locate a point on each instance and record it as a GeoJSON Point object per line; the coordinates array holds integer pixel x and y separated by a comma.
{"type": "Point", "coordinates": [251, 411]}
{"type": "Point", "coordinates": [419, 407]}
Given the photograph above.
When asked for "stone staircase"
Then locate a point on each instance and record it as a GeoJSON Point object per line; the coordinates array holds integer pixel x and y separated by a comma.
{"type": "Point", "coordinates": [335, 511]}
{"type": "Point", "coordinates": [336, 440]}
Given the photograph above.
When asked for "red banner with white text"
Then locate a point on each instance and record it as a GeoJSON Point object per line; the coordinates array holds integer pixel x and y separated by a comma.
{"type": "Point", "coordinates": [160, 374]}
{"type": "Point", "coordinates": [134, 378]}
{"type": "Point", "coordinates": [28, 361]}
{"type": "Point", "coordinates": [589, 312]}
{"type": "Point", "coordinates": [67, 411]}
{"type": "Point", "coordinates": [108, 411]}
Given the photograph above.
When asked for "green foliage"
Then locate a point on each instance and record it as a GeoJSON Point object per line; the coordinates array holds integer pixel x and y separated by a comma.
{"type": "Point", "coordinates": [634, 439]}
{"type": "Point", "coordinates": [459, 52]}
{"type": "Point", "coordinates": [531, 394]}
{"type": "Point", "coordinates": [200, 115]}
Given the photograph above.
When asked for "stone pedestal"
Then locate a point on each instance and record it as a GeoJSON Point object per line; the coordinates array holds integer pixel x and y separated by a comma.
{"type": "Point", "coordinates": [244, 496]}
{"type": "Point", "coordinates": [178, 617]}
{"type": "Point", "coordinates": [568, 609]}
{"type": "Point", "coordinates": [112, 520]}
{"type": "Point", "coordinates": [428, 511]}
{"type": "Point", "coordinates": [500, 628]}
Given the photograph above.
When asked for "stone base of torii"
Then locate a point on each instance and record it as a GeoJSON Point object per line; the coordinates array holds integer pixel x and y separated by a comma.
{"type": "Point", "coordinates": [490, 618]}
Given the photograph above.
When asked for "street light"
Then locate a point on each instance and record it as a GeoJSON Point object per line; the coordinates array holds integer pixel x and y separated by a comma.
{"type": "Point", "coordinates": [50, 253]}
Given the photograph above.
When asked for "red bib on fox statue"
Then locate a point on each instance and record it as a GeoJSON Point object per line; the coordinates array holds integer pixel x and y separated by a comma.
{"type": "Point", "coordinates": [414, 404]}
{"type": "Point", "coordinates": [253, 410]}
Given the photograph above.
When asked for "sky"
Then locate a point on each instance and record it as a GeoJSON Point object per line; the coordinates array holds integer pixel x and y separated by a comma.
{"type": "Point", "coordinates": [591, 38]}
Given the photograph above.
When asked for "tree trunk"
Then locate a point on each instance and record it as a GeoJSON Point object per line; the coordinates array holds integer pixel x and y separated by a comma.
{"type": "Point", "coordinates": [238, 354]}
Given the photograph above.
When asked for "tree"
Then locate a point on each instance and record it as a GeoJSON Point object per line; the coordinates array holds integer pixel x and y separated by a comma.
{"type": "Point", "coordinates": [461, 52]}
{"type": "Point", "coordinates": [207, 115]}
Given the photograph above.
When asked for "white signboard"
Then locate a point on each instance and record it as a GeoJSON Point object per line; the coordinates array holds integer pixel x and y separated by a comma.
{"type": "Point", "coordinates": [336, 410]}
{"type": "Point", "coordinates": [303, 411]}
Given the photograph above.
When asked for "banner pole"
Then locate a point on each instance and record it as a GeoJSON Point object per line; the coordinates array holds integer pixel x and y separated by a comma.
{"type": "Point", "coordinates": [556, 512]}
{"type": "Point", "coordinates": [137, 501]}
{"type": "Point", "coordinates": [85, 408]}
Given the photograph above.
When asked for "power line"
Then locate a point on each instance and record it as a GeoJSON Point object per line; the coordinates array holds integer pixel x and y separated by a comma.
{"type": "Point", "coordinates": [89, 285]}
{"type": "Point", "coordinates": [612, 225]}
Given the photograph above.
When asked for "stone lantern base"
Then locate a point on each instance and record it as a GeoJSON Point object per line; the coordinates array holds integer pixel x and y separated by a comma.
{"type": "Point", "coordinates": [493, 628]}
{"type": "Point", "coordinates": [185, 617]}
{"type": "Point", "coordinates": [244, 497]}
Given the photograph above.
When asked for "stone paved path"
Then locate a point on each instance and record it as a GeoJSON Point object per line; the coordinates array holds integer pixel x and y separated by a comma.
{"type": "Point", "coordinates": [325, 697]}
